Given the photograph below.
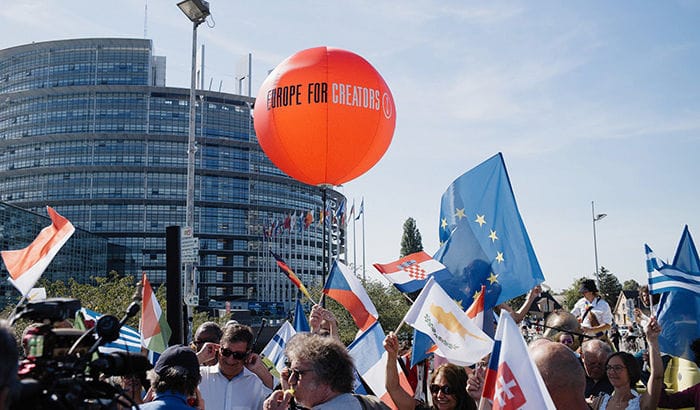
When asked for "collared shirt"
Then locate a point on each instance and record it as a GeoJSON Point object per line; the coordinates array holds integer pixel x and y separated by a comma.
{"type": "Point", "coordinates": [243, 392]}
{"type": "Point", "coordinates": [167, 400]}
{"type": "Point", "coordinates": [599, 307]}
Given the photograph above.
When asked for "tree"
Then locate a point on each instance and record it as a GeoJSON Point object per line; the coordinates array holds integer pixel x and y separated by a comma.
{"type": "Point", "coordinates": [630, 284]}
{"type": "Point", "coordinates": [411, 241]}
{"type": "Point", "coordinates": [610, 287]}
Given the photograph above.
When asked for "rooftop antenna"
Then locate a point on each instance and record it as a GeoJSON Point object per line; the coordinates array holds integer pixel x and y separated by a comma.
{"type": "Point", "coordinates": [145, 19]}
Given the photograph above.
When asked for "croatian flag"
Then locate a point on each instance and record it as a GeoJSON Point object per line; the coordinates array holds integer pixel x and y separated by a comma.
{"type": "Point", "coordinates": [25, 266]}
{"type": "Point", "coordinates": [512, 379]}
{"type": "Point", "coordinates": [345, 288]}
{"type": "Point", "coordinates": [411, 272]}
{"type": "Point", "coordinates": [370, 359]}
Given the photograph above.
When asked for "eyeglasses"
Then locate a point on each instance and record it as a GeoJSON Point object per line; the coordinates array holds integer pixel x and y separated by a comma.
{"type": "Point", "coordinates": [297, 374]}
{"type": "Point", "coordinates": [236, 355]}
{"type": "Point", "coordinates": [616, 368]}
{"type": "Point", "coordinates": [435, 388]}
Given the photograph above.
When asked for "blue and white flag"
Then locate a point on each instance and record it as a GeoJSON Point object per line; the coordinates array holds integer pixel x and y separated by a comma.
{"type": "Point", "coordinates": [664, 277]}
{"type": "Point", "coordinates": [129, 338]}
{"type": "Point", "coordinates": [483, 238]}
{"type": "Point", "coordinates": [679, 310]}
{"type": "Point", "coordinates": [274, 351]}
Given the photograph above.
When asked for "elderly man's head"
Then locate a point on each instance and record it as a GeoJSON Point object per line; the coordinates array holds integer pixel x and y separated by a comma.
{"type": "Point", "coordinates": [561, 373]}
{"type": "Point", "coordinates": [321, 368]}
{"type": "Point", "coordinates": [594, 354]}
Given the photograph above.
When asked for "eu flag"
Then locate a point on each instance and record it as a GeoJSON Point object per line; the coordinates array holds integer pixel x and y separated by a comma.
{"type": "Point", "coordinates": [483, 238]}
{"type": "Point", "coordinates": [679, 310]}
{"type": "Point", "coordinates": [301, 324]}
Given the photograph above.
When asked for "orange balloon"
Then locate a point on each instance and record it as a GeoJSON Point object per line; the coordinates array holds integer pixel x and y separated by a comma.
{"type": "Point", "coordinates": [324, 116]}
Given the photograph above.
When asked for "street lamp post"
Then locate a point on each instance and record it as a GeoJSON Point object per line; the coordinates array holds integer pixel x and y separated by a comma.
{"type": "Point", "coordinates": [596, 218]}
{"type": "Point", "coordinates": [197, 11]}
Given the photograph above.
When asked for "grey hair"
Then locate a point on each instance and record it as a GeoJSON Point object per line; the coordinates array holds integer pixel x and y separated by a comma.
{"type": "Point", "coordinates": [328, 357]}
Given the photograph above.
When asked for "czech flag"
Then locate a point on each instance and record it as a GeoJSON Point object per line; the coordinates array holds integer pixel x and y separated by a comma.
{"type": "Point", "coordinates": [345, 288]}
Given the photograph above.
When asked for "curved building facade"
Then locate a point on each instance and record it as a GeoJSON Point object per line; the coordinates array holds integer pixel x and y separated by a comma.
{"type": "Point", "coordinates": [88, 127]}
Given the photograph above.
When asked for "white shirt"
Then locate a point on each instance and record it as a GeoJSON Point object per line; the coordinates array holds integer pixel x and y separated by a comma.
{"type": "Point", "coordinates": [600, 308]}
{"type": "Point", "coordinates": [244, 392]}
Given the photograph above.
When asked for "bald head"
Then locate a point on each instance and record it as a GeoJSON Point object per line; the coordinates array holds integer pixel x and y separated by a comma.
{"type": "Point", "coordinates": [595, 353]}
{"type": "Point", "coordinates": [562, 374]}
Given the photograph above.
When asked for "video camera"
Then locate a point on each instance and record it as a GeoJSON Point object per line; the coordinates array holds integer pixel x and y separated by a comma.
{"type": "Point", "coordinates": [63, 368]}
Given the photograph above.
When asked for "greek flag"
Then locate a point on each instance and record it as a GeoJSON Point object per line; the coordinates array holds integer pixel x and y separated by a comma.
{"type": "Point", "coordinates": [129, 338]}
{"type": "Point", "coordinates": [664, 277]}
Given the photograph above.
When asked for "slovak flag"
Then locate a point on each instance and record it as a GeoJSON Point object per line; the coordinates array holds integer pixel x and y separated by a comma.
{"type": "Point", "coordinates": [370, 357]}
{"type": "Point", "coordinates": [512, 379]}
{"type": "Point", "coordinates": [25, 266]}
{"type": "Point", "coordinates": [345, 288]}
{"type": "Point", "coordinates": [411, 272]}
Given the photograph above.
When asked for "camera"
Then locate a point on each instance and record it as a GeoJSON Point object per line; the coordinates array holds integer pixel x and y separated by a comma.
{"type": "Point", "coordinates": [63, 368]}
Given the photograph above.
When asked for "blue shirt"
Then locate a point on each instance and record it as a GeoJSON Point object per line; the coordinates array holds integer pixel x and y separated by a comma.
{"type": "Point", "coordinates": [168, 400]}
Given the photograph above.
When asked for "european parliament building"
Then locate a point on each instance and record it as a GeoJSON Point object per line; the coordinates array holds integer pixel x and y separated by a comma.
{"type": "Point", "coordinates": [88, 127]}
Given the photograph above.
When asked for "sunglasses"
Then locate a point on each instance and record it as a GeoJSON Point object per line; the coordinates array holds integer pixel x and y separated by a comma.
{"type": "Point", "coordinates": [435, 389]}
{"type": "Point", "coordinates": [236, 355]}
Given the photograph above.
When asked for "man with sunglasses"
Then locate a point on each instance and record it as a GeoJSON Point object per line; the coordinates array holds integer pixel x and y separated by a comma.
{"type": "Point", "coordinates": [240, 380]}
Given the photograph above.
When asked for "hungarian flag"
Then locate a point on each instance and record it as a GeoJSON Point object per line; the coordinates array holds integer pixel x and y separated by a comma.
{"type": "Point", "coordinates": [26, 265]}
{"type": "Point", "coordinates": [291, 275]}
{"type": "Point", "coordinates": [154, 328]}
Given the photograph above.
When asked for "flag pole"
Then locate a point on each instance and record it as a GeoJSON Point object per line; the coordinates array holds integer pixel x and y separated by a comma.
{"type": "Point", "coordinates": [11, 317]}
{"type": "Point", "coordinates": [354, 240]}
{"type": "Point", "coordinates": [364, 263]}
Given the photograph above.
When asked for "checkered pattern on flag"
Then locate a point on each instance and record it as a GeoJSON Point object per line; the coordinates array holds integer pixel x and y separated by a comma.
{"type": "Point", "coordinates": [411, 272]}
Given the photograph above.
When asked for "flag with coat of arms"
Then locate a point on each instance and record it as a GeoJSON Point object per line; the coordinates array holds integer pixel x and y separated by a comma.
{"type": "Point", "coordinates": [512, 379]}
{"type": "Point", "coordinates": [410, 273]}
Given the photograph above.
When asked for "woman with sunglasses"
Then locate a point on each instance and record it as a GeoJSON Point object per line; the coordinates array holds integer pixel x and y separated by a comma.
{"type": "Point", "coordinates": [448, 384]}
{"type": "Point", "coordinates": [623, 372]}
{"type": "Point", "coordinates": [448, 388]}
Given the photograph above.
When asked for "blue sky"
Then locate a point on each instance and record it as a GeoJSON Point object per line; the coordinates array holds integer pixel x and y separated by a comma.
{"type": "Point", "coordinates": [588, 101]}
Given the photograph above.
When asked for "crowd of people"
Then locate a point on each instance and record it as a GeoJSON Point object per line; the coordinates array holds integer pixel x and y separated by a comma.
{"type": "Point", "coordinates": [579, 365]}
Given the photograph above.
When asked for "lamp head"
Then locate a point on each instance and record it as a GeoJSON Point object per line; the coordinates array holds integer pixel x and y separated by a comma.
{"type": "Point", "coordinates": [196, 10]}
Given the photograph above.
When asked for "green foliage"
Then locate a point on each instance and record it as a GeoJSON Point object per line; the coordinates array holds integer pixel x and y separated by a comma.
{"type": "Point", "coordinates": [571, 295]}
{"type": "Point", "coordinates": [390, 303]}
{"type": "Point", "coordinates": [609, 287]}
{"type": "Point", "coordinates": [630, 284]}
{"type": "Point", "coordinates": [110, 295]}
{"type": "Point", "coordinates": [411, 241]}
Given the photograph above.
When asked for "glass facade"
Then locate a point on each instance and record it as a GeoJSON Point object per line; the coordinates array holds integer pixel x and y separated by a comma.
{"type": "Point", "coordinates": [86, 128]}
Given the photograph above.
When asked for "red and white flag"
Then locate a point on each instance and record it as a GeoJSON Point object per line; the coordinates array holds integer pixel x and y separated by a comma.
{"type": "Point", "coordinates": [411, 273]}
{"type": "Point", "coordinates": [26, 265]}
{"type": "Point", "coordinates": [512, 379]}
